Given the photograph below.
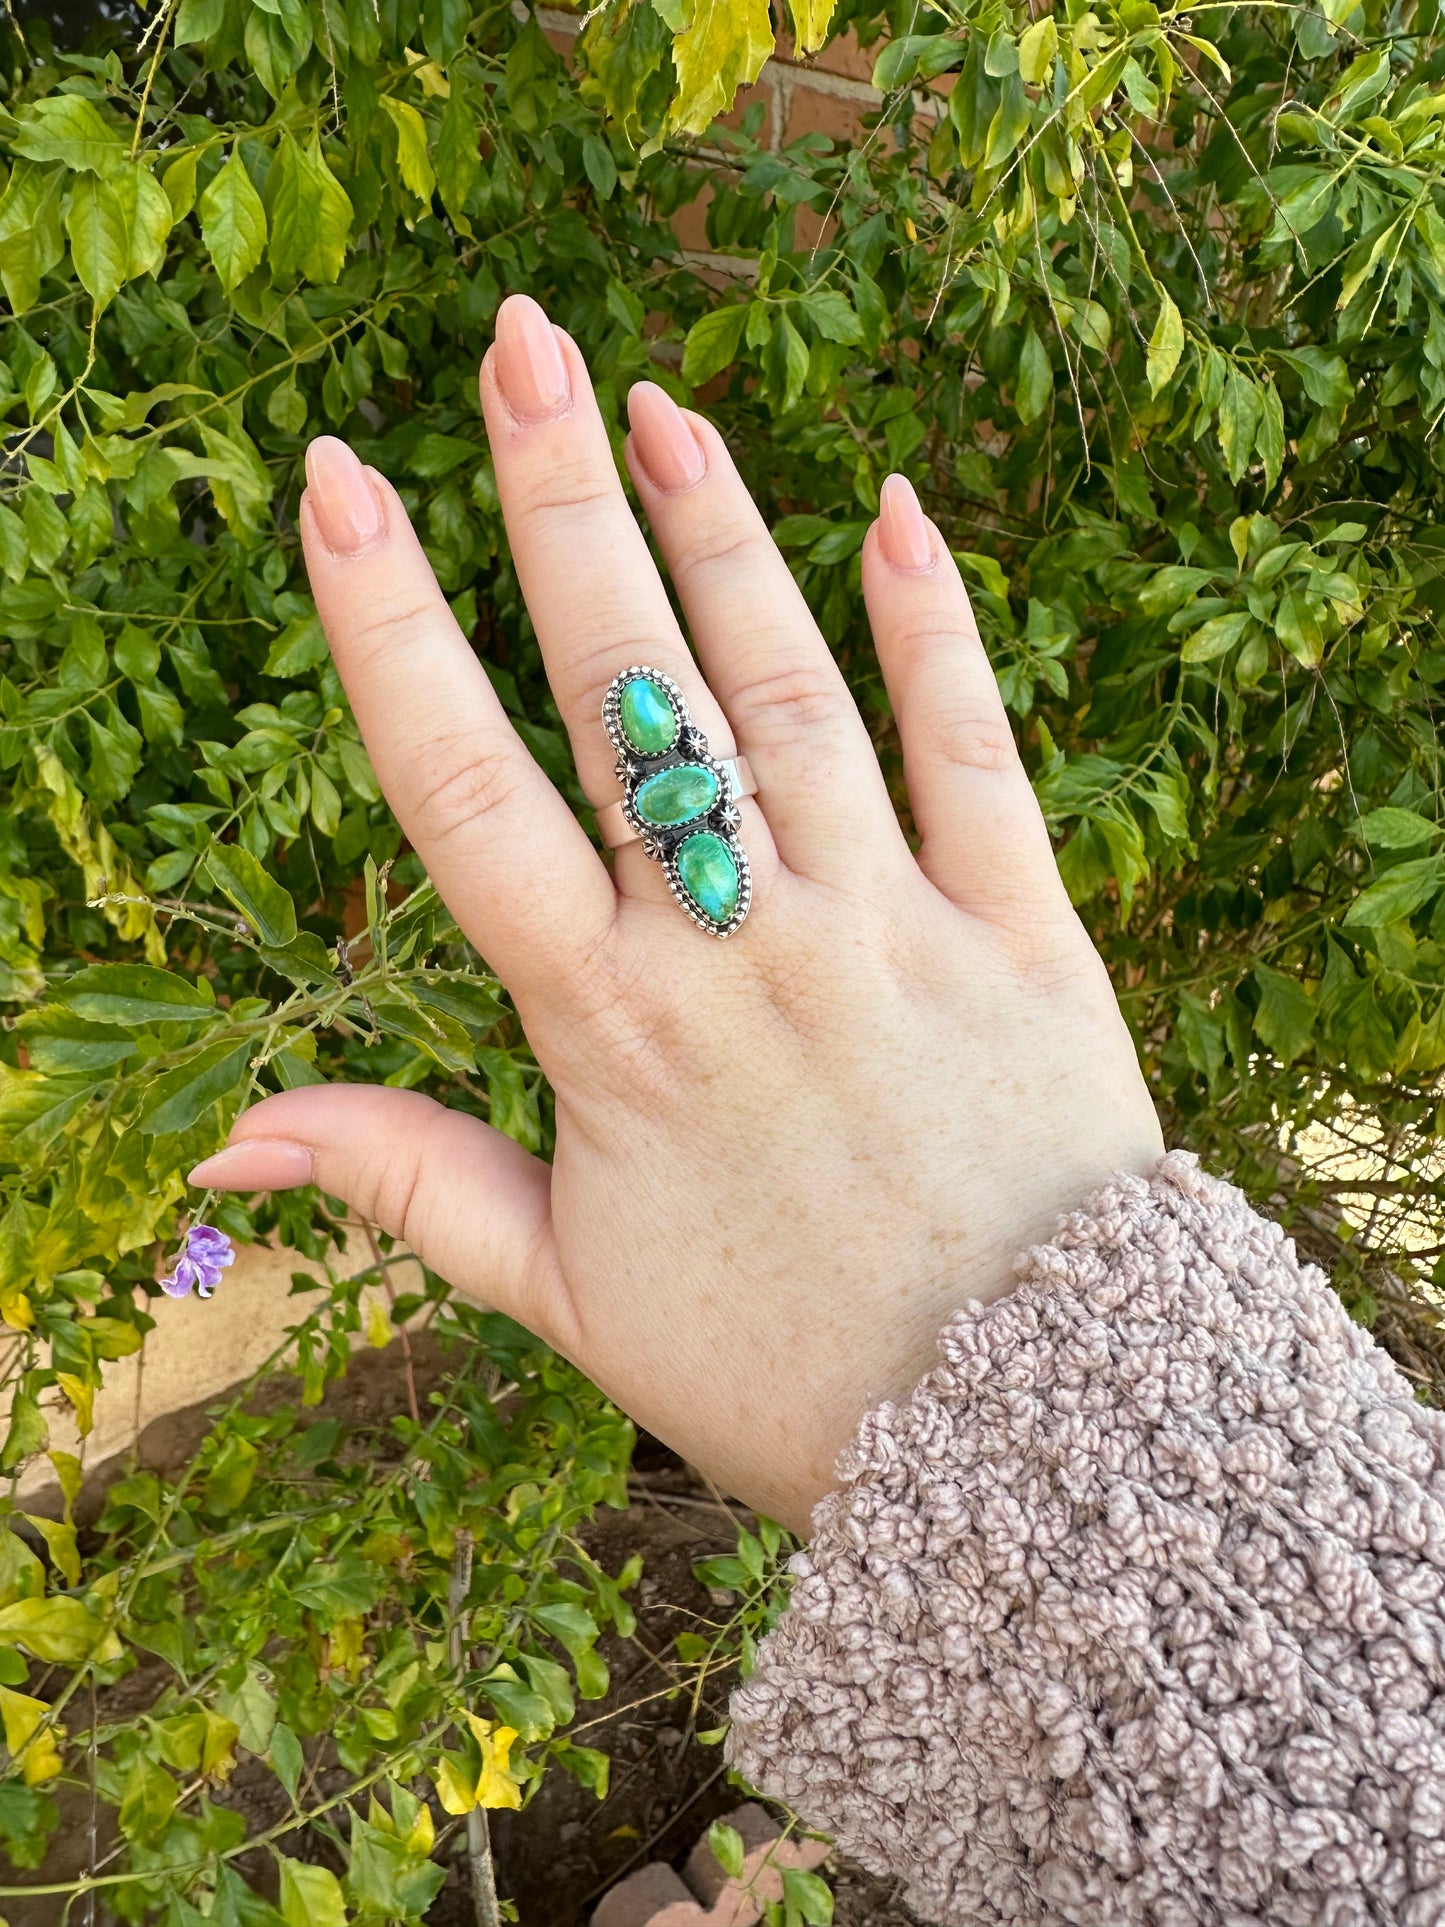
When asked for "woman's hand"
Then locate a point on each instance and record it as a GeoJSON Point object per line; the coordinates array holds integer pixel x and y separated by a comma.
{"type": "Point", "coordinates": [782, 1160]}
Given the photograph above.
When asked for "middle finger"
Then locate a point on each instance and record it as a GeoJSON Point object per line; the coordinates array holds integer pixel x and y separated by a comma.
{"type": "Point", "coordinates": [594, 596]}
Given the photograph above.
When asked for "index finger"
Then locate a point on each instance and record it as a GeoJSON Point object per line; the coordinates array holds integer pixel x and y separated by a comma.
{"type": "Point", "coordinates": [508, 857]}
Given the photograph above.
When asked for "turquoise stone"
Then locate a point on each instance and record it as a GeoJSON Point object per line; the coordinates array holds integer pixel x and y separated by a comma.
{"type": "Point", "coordinates": [649, 721]}
{"type": "Point", "coordinates": [677, 795]}
{"type": "Point", "coordinates": [709, 874]}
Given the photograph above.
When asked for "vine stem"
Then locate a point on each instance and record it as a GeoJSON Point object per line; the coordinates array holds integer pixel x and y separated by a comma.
{"type": "Point", "coordinates": [479, 1845]}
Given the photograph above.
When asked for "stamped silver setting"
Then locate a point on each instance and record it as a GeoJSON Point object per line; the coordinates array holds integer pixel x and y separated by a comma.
{"type": "Point", "coordinates": [663, 842]}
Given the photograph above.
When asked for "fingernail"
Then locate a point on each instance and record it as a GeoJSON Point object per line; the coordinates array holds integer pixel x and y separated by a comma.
{"type": "Point", "coordinates": [530, 370]}
{"type": "Point", "coordinates": [903, 532]}
{"type": "Point", "coordinates": [343, 498]}
{"type": "Point", "coordinates": [258, 1164]}
{"type": "Point", "coordinates": [663, 439]}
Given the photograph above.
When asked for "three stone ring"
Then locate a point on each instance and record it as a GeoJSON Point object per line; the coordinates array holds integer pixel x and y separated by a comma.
{"type": "Point", "coordinates": [678, 798]}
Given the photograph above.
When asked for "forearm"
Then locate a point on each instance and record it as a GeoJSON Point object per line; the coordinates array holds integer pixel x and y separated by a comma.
{"type": "Point", "coordinates": [1133, 1612]}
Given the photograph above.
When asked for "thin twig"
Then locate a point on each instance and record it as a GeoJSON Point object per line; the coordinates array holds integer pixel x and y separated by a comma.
{"type": "Point", "coordinates": [479, 1845]}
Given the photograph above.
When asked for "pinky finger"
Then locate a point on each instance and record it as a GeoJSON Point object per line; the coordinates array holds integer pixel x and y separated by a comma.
{"type": "Point", "coordinates": [984, 843]}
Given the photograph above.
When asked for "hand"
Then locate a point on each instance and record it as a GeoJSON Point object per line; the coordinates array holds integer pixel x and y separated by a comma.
{"type": "Point", "coordinates": [782, 1160]}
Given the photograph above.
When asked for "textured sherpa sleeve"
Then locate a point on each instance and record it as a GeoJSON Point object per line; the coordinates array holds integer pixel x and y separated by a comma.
{"type": "Point", "coordinates": [1133, 1613]}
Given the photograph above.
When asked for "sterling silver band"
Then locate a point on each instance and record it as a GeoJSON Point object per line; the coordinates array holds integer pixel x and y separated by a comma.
{"type": "Point", "coordinates": [616, 830]}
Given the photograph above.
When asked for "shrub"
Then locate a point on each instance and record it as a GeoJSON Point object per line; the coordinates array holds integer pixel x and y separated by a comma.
{"type": "Point", "coordinates": [1152, 309]}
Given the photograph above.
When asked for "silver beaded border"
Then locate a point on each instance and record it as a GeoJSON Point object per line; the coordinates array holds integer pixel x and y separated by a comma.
{"type": "Point", "coordinates": [689, 745]}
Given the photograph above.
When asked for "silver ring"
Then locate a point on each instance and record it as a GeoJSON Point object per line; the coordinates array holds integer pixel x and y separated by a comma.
{"type": "Point", "coordinates": [617, 831]}
{"type": "Point", "coordinates": [678, 799]}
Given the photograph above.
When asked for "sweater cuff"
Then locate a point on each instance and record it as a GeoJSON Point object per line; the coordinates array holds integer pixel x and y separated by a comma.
{"type": "Point", "coordinates": [1133, 1612]}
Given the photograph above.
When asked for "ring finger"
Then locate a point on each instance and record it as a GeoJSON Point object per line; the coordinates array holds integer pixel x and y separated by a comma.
{"type": "Point", "coordinates": [594, 596]}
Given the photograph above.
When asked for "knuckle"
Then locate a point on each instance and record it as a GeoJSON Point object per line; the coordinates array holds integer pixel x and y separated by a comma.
{"type": "Point", "coordinates": [797, 701]}
{"type": "Point", "coordinates": [970, 739]}
{"type": "Point", "coordinates": [463, 782]}
{"type": "Point", "coordinates": [568, 488]}
{"type": "Point", "coordinates": [720, 548]}
{"type": "Point", "coordinates": [387, 622]}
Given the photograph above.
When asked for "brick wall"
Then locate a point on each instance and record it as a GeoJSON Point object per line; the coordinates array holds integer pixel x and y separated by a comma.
{"type": "Point", "coordinates": [827, 94]}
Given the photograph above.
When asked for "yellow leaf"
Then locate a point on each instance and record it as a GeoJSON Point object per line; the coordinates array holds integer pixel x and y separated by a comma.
{"type": "Point", "coordinates": [70, 1473]}
{"type": "Point", "coordinates": [345, 1644]}
{"type": "Point", "coordinates": [378, 1325]}
{"type": "Point", "coordinates": [90, 846]}
{"type": "Point", "coordinates": [433, 80]}
{"type": "Point", "coordinates": [411, 156]}
{"type": "Point", "coordinates": [82, 1398]}
{"type": "Point", "coordinates": [60, 1543]}
{"type": "Point", "coordinates": [1038, 47]}
{"type": "Point", "coordinates": [1166, 345]}
{"type": "Point", "coordinates": [218, 1749]}
{"type": "Point", "coordinates": [496, 1786]}
{"type": "Point", "coordinates": [811, 19]}
{"type": "Point", "coordinates": [15, 1310]}
{"type": "Point", "coordinates": [454, 1787]}
{"type": "Point", "coordinates": [36, 1753]}
{"type": "Point", "coordinates": [423, 1835]}
{"type": "Point", "coordinates": [59, 1631]}
{"type": "Point", "coordinates": [722, 49]}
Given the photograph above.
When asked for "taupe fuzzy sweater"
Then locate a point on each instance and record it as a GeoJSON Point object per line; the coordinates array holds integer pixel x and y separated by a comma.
{"type": "Point", "coordinates": [1133, 1613]}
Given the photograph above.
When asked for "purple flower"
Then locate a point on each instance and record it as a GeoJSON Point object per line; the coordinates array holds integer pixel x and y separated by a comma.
{"type": "Point", "coordinates": [199, 1264]}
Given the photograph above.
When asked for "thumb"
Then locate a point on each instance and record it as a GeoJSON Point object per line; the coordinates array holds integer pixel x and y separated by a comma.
{"type": "Point", "coordinates": [472, 1204]}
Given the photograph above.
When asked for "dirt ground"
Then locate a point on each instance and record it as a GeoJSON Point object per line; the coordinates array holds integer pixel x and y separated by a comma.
{"type": "Point", "coordinates": [557, 1858]}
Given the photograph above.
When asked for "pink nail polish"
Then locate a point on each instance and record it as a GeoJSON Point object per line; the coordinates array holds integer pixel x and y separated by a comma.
{"type": "Point", "coordinates": [663, 439]}
{"type": "Point", "coordinates": [530, 370]}
{"type": "Point", "coordinates": [256, 1164]}
{"type": "Point", "coordinates": [343, 498]}
{"type": "Point", "coordinates": [903, 531]}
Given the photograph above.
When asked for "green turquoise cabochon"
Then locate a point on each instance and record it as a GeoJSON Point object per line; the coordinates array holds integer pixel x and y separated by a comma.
{"type": "Point", "coordinates": [677, 795]}
{"type": "Point", "coordinates": [649, 721]}
{"type": "Point", "coordinates": [709, 874]}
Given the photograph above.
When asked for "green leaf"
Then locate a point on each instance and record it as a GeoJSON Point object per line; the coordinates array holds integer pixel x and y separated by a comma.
{"type": "Point", "coordinates": [231, 1476]}
{"type": "Point", "coordinates": [726, 1846]}
{"type": "Point", "coordinates": [1398, 893]}
{"type": "Point", "coordinates": [833, 315]}
{"type": "Point", "coordinates": [259, 898]}
{"type": "Point", "coordinates": [181, 1097]}
{"type": "Point", "coordinates": [1297, 624]}
{"type": "Point", "coordinates": [99, 240]}
{"type": "Point", "coordinates": [457, 160]}
{"type": "Point", "coordinates": [1034, 387]}
{"type": "Point", "coordinates": [1239, 412]}
{"type": "Point", "coordinates": [310, 215]}
{"type": "Point", "coordinates": [287, 1759]}
{"type": "Point", "coordinates": [809, 1895]}
{"type": "Point", "coordinates": [69, 128]}
{"type": "Point", "coordinates": [233, 222]}
{"type": "Point", "coordinates": [712, 343]}
{"type": "Point", "coordinates": [600, 166]}
{"type": "Point", "coordinates": [1285, 1018]}
{"type": "Point", "coordinates": [385, 1880]}
{"type": "Point", "coordinates": [1166, 345]}
{"type": "Point", "coordinates": [136, 995]}
{"type": "Point", "coordinates": [1391, 828]}
{"type": "Point", "coordinates": [1215, 637]}
{"type": "Point", "coordinates": [300, 646]}
{"type": "Point", "coordinates": [198, 20]}
{"type": "Point", "coordinates": [251, 1709]}
{"type": "Point", "coordinates": [147, 1802]}
{"type": "Point", "coordinates": [28, 1432]}
{"type": "Point", "coordinates": [310, 1896]}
